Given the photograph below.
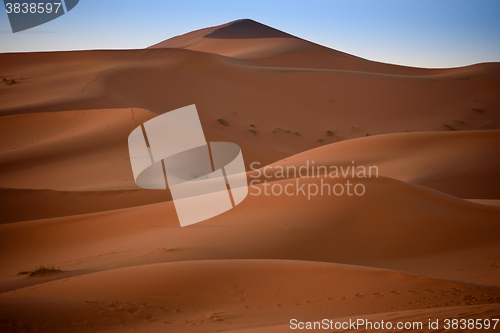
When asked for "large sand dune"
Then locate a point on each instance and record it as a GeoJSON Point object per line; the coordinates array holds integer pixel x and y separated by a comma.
{"type": "Point", "coordinates": [421, 243]}
{"type": "Point", "coordinates": [226, 295]}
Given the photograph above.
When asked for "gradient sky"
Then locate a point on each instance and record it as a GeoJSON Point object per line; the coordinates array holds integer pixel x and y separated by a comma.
{"type": "Point", "coordinates": [421, 33]}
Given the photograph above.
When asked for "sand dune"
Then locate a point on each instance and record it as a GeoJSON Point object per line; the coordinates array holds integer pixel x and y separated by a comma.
{"type": "Point", "coordinates": [80, 150]}
{"type": "Point", "coordinates": [387, 227]}
{"type": "Point", "coordinates": [277, 101]}
{"type": "Point", "coordinates": [222, 295]}
{"type": "Point", "coordinates": [463, 164]}
{"type": "Point", "coordinates": [70, 149]}
{"type": "Point", "coordinates": [242, 39]}
{"type": "Point", "coordinates": [266, 46]}
{"type": "Point", "coordinates": [26, 205]}
{"type": "Point", "coordinates": [418, 250]}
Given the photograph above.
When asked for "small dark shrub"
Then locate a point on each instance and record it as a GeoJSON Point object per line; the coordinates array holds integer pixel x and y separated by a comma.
{"type": "Point", "coordinates": [449, 127]}
{"type": "Point", "coordinates": [223, 121]}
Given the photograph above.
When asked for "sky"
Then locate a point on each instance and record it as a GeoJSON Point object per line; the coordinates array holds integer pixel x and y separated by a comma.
{"type": "Point", "coordinates": [419, 33]}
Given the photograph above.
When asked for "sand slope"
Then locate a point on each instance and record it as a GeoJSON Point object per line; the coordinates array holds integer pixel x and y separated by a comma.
{"type": "Point", "coordinates": [387, 227]}
{"type": "Point", "coordinates": [222, 295]}
{"type": "Point", "coordinates": [98, 176]}
{"type": "Point", "coordinates": [277, 101]}
{"type": "Point", "coordinates": [463, 164]}
{"type": "Point", "coordinates": [264, 45]}
{"type": "Point", "coordinates": [83, 150]}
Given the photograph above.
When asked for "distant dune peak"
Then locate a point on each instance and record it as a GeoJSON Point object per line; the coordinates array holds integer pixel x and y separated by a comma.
{"type": "Point", "coordinates": [246, 29]}
{"type": "Point", "coordinates": [250, 40]}
{"type": "Point", "coordinates": [233, 37]}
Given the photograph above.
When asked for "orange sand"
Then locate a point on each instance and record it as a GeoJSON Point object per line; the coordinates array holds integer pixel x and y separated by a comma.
{"type": "Point", "coordinates": [421, 243]}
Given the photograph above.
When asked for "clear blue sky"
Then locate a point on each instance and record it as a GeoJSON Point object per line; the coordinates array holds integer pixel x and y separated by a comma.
{"type": "Point", "coordinates": [422, 33]}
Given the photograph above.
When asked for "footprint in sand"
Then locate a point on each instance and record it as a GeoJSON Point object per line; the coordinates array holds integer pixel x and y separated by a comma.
{"type": "Point", "coordinates": [359, 295]}
{"type": "Point", "coordinates": [343, 298]}
{"type": "Point", "coordinates": [377, 294]}
{"type": "Point", "coordinates": [163, 308]}
{"type": "Point", "coordinates": [395, 292]}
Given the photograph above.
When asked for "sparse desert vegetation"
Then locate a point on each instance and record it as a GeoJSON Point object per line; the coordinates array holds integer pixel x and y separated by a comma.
{"type": "Point", "coordinates": [448, 126]}
{"type": "Point", "coordinates": [223, 121]}
{"type": "Point", "coordinates": [9, 82]}
{"type": "Point", "coordinates": [41, 270]}
{"type": "Point", "coordinates": [489, 125]}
